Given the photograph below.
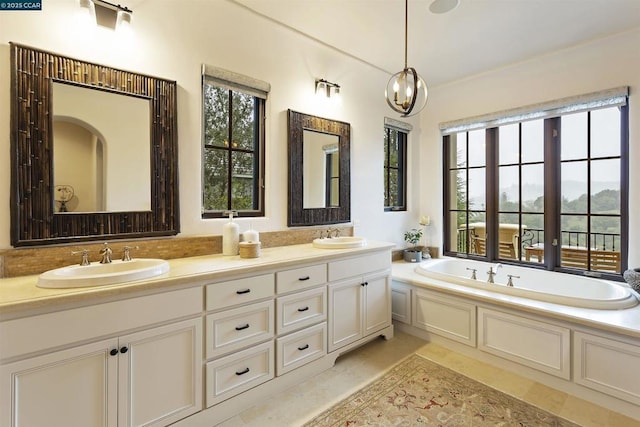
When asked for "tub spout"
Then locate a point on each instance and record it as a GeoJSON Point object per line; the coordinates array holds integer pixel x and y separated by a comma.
{"type": "Point", "coordinates": [491, 274]}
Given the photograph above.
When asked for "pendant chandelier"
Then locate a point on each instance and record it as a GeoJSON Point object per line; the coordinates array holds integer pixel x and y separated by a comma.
{"type": "Point", "coordinates": [406, 92]}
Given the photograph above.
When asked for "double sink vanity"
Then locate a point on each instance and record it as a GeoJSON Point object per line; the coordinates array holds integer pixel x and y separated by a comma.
{"type": "Point", "coordinates": [194, 344]}
{"type": "Point", "coordinates": [144, 341]}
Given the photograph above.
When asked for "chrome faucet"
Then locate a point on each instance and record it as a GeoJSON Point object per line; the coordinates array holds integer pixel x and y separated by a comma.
{"type": "Point", "coordinates": [510, 281]}
{"type": "Point", "coordinates": [126, 254]}
{"type": "Point", "coordinates": [492, 273]}
{"type": "Point", "coordinates": [473, 273]}
{"type": "Point", "coordinates": [85, 256]}
{"type": "Point", "coordinates": [105, 253]}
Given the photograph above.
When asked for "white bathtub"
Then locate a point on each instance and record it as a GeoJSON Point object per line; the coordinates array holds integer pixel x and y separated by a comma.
{"type": "Point", "coordinates": [558, 288]}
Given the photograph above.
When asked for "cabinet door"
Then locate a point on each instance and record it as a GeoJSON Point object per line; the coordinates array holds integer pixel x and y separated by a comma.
{"type": "Point", "coordinates": [377, 303]}
{"type": "Point", "coordinates": [345, 313]}
{"type": "Point", "coordinates": [160, 374]}
{"type": "Point", "coordinates": [68, 388]}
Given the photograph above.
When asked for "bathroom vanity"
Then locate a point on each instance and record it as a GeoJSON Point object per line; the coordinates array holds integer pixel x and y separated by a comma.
{"type": "Point", "coordinates": [194, 346]}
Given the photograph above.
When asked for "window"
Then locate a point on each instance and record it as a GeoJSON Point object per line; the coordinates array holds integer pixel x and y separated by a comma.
{"type": "Point", "coordinates": [545, 192]}
{"type": "Point", "coordinates": [395, 166]}
{"type": "Point", "coordinates": [233, 144]}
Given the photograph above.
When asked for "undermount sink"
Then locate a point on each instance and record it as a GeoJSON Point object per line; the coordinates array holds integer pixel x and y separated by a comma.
{"type": "Point", "coordinates": [344, 242]}
{"type": "Point", "coordinates": [96, 274]}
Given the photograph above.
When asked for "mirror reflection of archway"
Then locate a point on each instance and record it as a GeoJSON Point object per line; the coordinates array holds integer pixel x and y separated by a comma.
{"type": "Point", "coordinates": [78, 161]}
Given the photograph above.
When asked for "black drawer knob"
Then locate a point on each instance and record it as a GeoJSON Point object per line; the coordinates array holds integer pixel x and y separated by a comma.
{"type": "Point", "coordinates": [113, 351]}
{"type": "Point", "coordinates": [124, 349]}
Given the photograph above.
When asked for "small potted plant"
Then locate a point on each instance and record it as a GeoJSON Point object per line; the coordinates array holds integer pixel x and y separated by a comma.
{"type": "Point", "coordinates": [413, 254]}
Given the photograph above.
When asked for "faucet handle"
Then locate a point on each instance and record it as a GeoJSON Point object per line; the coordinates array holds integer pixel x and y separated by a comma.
{"type": "Point", "coordinates": [510, 281]}
{"type": "Point", "coordinates": [473, 273]}
{"type": "Point", "coordinates": [126, 254]}
{"type": "Point", "coordinates": [85, 256]}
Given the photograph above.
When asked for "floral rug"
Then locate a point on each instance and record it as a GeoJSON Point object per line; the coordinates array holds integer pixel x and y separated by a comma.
{"type": "Point", "coordinates": [419, 392]}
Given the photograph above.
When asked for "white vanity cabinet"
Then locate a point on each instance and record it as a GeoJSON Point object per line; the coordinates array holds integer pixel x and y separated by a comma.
{"type": "Point", "coordinates": [149, 377]}
{"type": "Point", "coordinates": [359, 298]}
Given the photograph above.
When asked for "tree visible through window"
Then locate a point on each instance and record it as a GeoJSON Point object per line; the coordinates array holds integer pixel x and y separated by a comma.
{"type": "Point", "coordinates": [395, 167]}
{"type": "Point", "coordinates": [544, 192]}
{"type": "Point", "coordinates": [233, 143]}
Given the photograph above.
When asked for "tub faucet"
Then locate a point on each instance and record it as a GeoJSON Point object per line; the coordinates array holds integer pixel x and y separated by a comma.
{"type": "Point", "coordinates": [473, 273]}
{"type": "Point", "coordinates": [510, 281]}
{"type": "Point", "coordinates": [492, 273]}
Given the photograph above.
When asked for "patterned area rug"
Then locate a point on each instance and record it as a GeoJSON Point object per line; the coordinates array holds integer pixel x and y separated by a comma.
{"type": "Point", "coordinates": [418, 392]}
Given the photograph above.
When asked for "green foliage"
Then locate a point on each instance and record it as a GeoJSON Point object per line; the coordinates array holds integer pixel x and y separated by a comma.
{"type": "Point", "coordinates": [229, 152]}
{"type": "Point", "coordinates": [413, 237]}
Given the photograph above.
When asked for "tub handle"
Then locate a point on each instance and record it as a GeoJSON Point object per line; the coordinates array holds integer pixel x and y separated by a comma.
{"type": "Point", "coordinates": [473, 273]}
{"type": "Point", "coordinates": [510, 281]}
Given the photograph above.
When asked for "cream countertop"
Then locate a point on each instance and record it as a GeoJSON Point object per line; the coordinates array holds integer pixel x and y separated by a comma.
{"type": "Point", "coordinates": [20, 295]}
{"type": "Point", "coordinates": [625, 322]}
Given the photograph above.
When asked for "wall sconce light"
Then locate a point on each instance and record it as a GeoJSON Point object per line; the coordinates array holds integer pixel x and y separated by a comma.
{"type": "Point", "coordinates": [326, 87]}
{"type": "Point", "coordinates": [107, 14]}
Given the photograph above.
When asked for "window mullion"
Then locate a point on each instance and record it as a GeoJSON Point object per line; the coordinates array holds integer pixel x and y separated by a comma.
{"type": "Point", "coordinates": [552, 193]}
{"type": "Point", "coordinates": [229, 153]}
{"type": "Point", "coordinates": [492, 194]}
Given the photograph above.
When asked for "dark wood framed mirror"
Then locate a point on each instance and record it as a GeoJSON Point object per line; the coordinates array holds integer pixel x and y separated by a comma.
{"type": "Point", "coordinates": [319, 170]}
{"type": "Point", "coordinates": [36, 217]}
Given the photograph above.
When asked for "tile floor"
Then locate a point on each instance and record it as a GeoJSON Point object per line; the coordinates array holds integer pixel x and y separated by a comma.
{"type": "Point", "coordinates": [359, 367]}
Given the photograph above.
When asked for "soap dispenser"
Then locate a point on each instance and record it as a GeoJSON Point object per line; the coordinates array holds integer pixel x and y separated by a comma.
{"type": "Point", "coordinates": [230, 236]}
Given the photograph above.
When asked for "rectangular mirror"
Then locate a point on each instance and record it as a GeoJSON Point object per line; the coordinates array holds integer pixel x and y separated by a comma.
{"type": "Point", "coordinates": [98, 166]}
{"type": "Point", "coordinates": [150, 171]}
{"type": "Point", "coordinates": [319, 170]}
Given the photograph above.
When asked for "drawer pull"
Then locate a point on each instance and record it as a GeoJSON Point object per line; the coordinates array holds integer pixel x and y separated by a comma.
{"type": "Point", "coordinates": [124, 349]}
{"type": "Point", "coordinates": [303, 347]}
{"type": "Point", "coordinates": [244, 371]}
{"type": "Point", "coordinates": [302, 279]}
{"type": "Point", "coordinates": [113, 351]}
{"type": "Point", "coordinates": [303, 309]}
{"type": "Point", "coordinates": [243, 291]}
{"type": "Point", "coordinates": [245, 326]}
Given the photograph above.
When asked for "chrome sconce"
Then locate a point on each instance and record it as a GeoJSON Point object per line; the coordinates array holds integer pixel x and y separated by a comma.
{"type": "Point", "coordinates": [326, 87]}
{"type": "Point", "coordinates": [107, 14]}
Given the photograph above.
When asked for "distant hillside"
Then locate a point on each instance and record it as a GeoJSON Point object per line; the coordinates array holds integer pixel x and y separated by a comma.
{"type": "Point", "coordinates": [570, 189]}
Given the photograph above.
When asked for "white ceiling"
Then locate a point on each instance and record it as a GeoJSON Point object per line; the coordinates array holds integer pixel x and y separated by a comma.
{"type": "Point", "coordinates": [477, 36]}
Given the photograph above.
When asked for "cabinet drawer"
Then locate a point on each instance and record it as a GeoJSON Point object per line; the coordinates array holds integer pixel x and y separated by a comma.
{"type": "Point", "coordinates": [241, 327]}
{"type": "Point", "coordinates": [239, 372]}
{"type": "Point", "coordinates": [241, 291]}
{"type": "Point", "coordinates": [301, 278]}
{"type": "Point", "coordinates": [301, 309]}
{"type": "Point", "coordinates": [20, 337]}
{"type": "Point", "coordinates": [301, 347]}
{"type": "Point", "coordinates": [353, 267]}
